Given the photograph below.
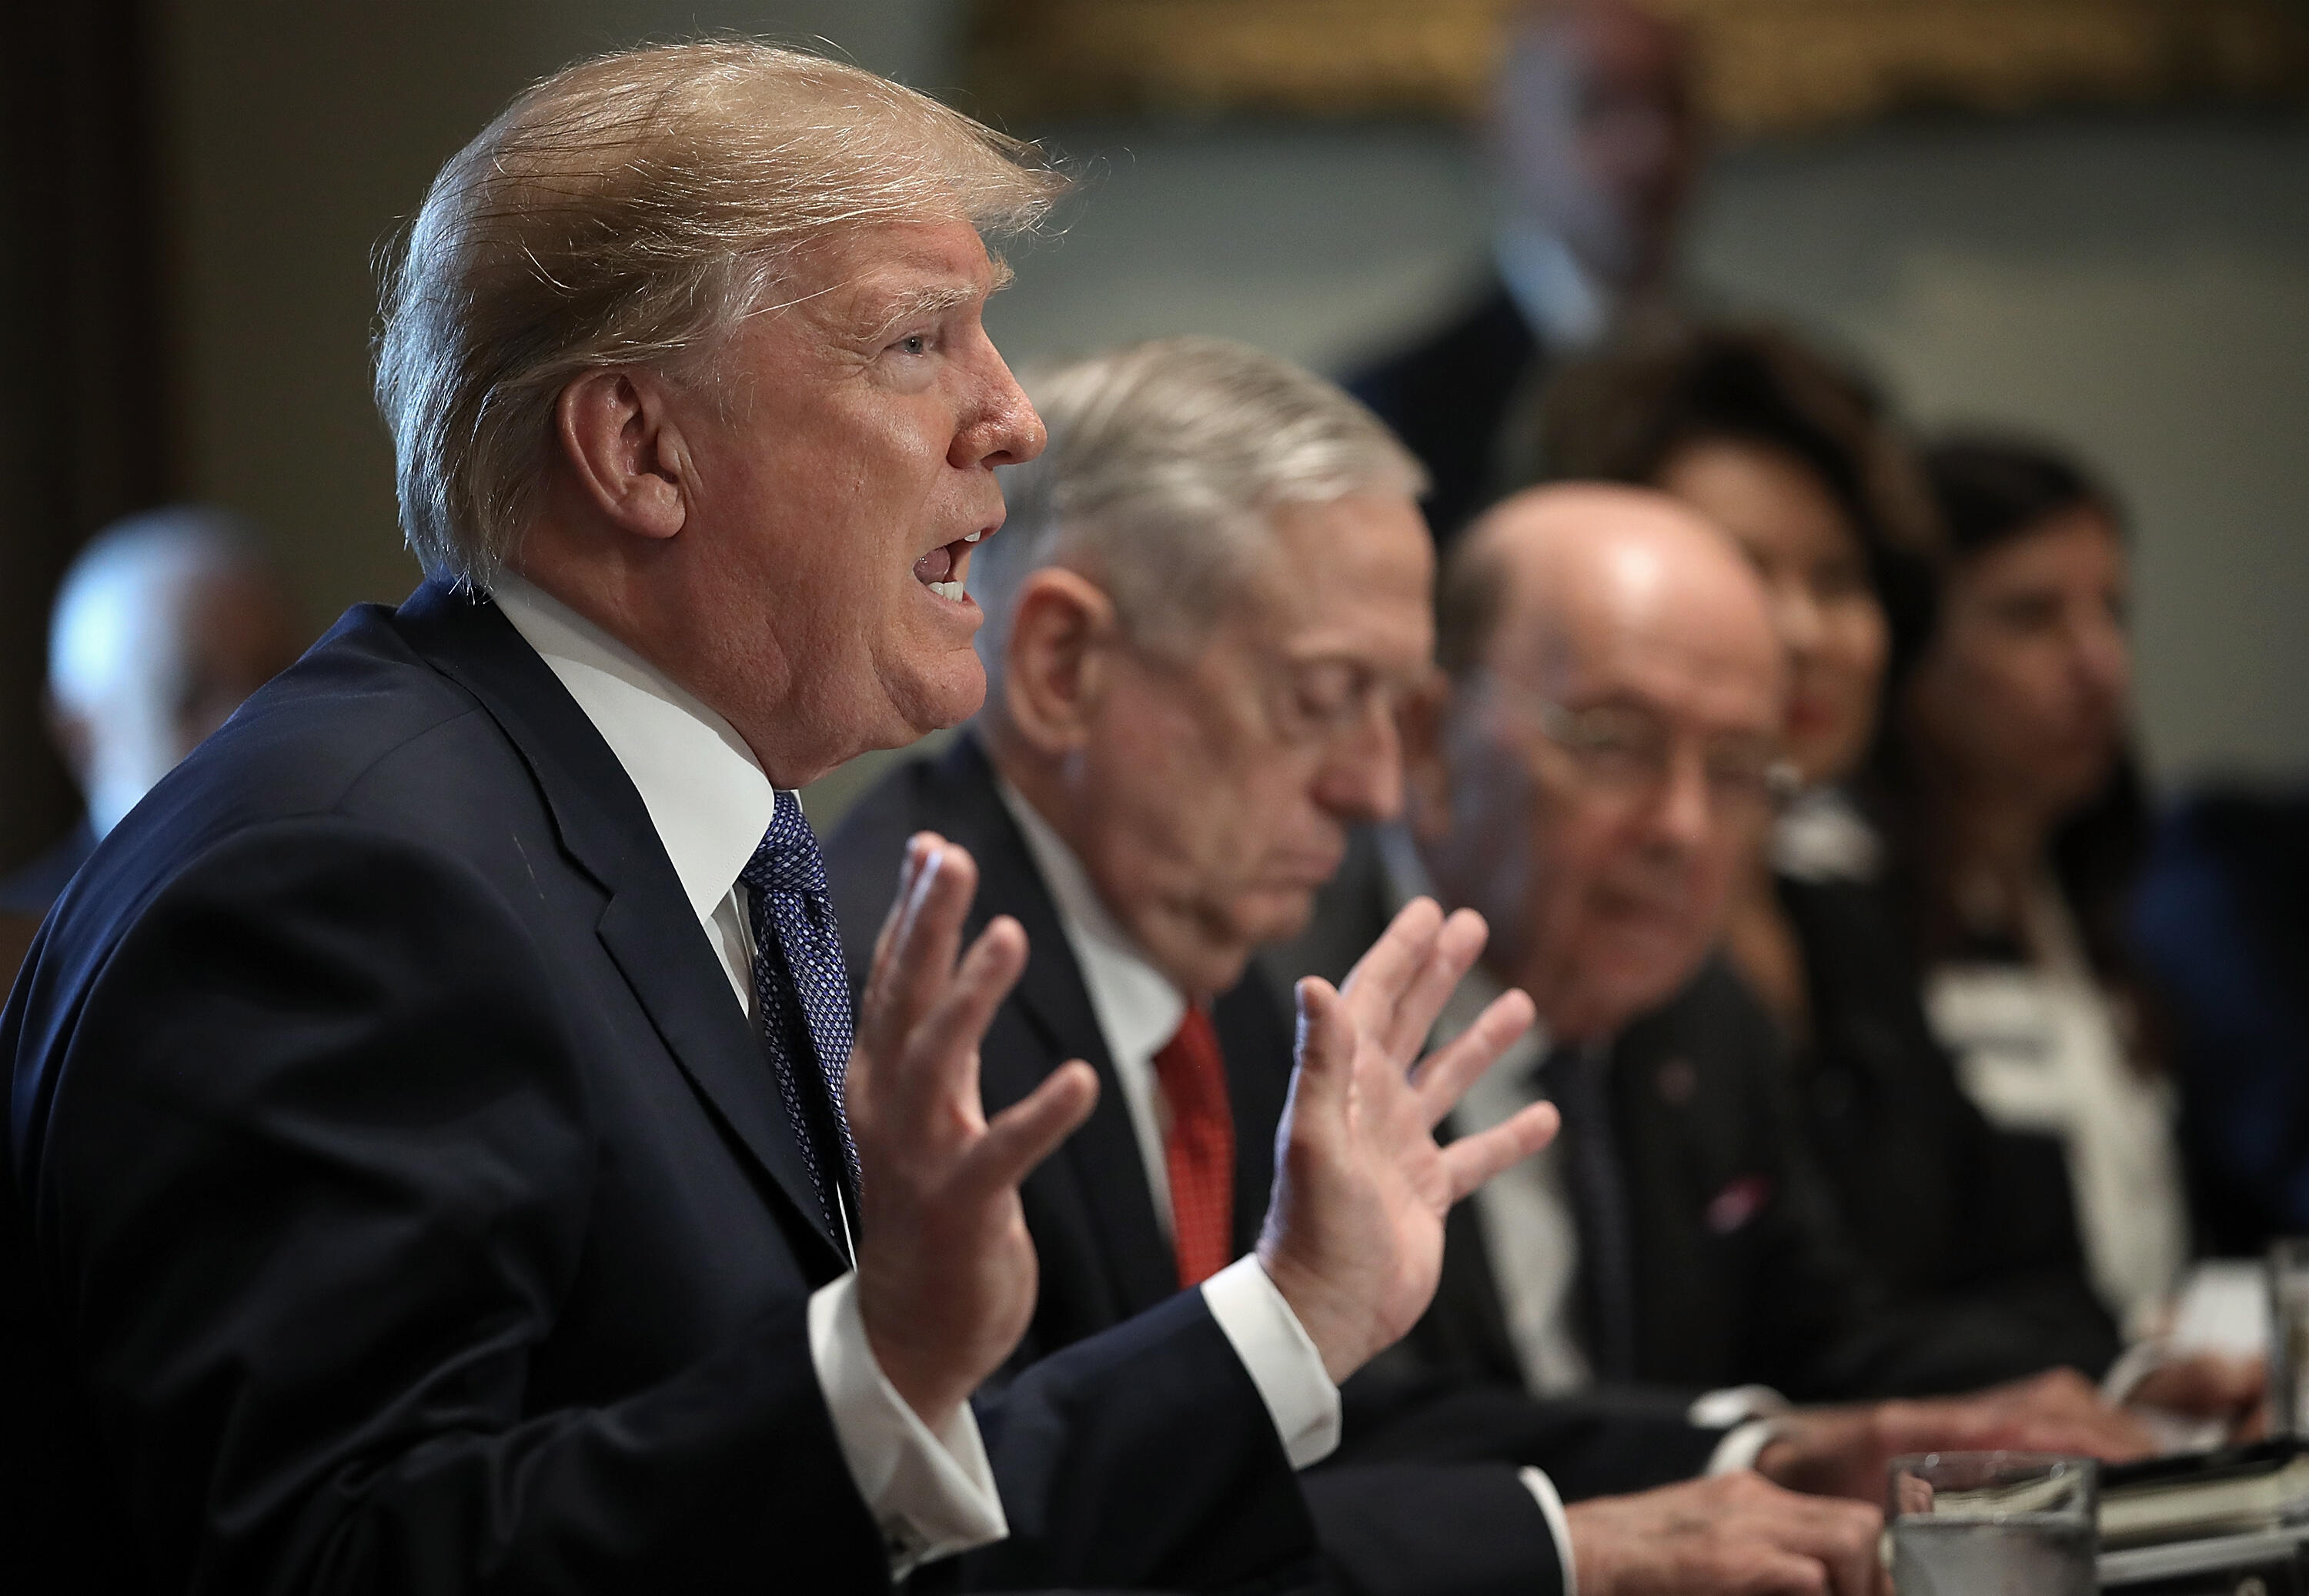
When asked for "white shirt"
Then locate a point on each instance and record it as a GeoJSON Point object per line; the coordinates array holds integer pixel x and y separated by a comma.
{"type": "Point", "coordinates": [1567, 307]}
{"type": "Point", "coordinates": [1137, 1010]}
{"type": "Point", "coordinates": [2039, 1048]}
{"type": "Point", "coordinates": [932, 1493]}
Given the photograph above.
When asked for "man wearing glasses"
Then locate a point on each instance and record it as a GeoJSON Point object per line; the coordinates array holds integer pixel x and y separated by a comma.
{"type": "Point", "coordinates": [1601, 763]}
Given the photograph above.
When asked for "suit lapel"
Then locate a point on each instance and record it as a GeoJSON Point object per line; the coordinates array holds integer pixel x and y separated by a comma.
{"type": "Point", "coordinates": [1053, 1000]}
{"type": "Point", "coordinates": [648, 927]}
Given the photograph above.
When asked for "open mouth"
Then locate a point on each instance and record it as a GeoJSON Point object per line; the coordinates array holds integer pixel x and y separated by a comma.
{"type": "Point", "coordinates": [944, 569]}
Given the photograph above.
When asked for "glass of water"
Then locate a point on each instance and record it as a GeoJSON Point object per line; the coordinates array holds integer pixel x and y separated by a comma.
{"type": "Point", "coordinates": [1994, 1524]}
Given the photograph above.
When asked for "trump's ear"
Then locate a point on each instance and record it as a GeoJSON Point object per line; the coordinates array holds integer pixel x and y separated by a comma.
{"type": "Point", "coordinates": [1421, 721]}
{"type": "Point", "coordinates": [625, 455]}
{"type": "Point", "coordinates": [1054, 671]}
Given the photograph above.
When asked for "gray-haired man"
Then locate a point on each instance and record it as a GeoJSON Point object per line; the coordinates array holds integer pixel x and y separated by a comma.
{"type": "Point", "coordinates": [1210, 603]}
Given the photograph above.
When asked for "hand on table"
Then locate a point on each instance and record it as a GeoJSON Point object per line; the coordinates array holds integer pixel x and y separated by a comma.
{"type": "Point", "coordinates": [1733, 1535]}
{"type": "Point", "coordinates": [2209, 1385]}
{"type": "Point", "coordinates": [1843, 1450]}
{"type": "Point", "coordinates": [1353, 1237]}
{"type": "Point", "coordinates": [945, 1269]}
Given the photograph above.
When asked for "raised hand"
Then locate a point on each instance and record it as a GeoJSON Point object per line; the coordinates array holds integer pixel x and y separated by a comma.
{"type": "Point", "coordinates": [945, 1269]}
{"type": "Point", "coordinates": [1353, 1237]}
{"type": "Point", "coordinates": [1735, 1535]}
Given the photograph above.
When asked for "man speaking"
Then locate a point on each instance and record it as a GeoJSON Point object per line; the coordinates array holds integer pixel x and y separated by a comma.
{"type": "Point", "coordinates": [440, 1157]}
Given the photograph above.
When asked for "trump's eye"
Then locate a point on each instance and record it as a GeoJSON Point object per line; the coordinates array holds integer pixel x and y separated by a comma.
{"type": "Point", "coordinates": [913, 343]}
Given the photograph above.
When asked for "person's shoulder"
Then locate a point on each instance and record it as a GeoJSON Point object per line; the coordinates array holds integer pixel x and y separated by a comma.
{"type": "Point", "coordinates": [1481, 331]}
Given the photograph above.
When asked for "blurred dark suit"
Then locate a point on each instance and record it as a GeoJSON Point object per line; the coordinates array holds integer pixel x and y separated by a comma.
{"type": "Point", "coordinates": [1391, 1520]}
{"type": "Point", "coordinates": [1944, 1207]}
{"type": "Point", "coordinates": [2220, 919]}
{"type": "Point", "coordinates": [1450, 398]}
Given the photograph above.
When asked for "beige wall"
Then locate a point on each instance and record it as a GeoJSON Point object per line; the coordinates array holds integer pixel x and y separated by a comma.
{"type": "Point", "coordinates": [2140, 285]}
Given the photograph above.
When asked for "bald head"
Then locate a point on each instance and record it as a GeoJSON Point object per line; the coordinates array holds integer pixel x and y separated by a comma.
{"type": "Point", "coordinates": [1607, 758]}
{"type": "Point", "coordinates": [166, 621]}
{"type": "Point", "coordinates": [1597, 575]}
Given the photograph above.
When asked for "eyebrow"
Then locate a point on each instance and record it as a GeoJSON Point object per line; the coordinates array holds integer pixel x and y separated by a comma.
{"type": "Point", "coordinates": [934, 300]}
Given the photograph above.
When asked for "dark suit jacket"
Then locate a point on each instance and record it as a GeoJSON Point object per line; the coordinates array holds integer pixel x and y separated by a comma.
{"type": "Point", "coordinates": [1741, 1263]}
{"type": "Point", "coordinates": [1449, 397]}
{"type": "Point", "coordinates": [1417, 1501]}
{"type": "Point", "coordinates": [1947, 1210]}
{"type": "Point", "coordinates": [406, 1205]}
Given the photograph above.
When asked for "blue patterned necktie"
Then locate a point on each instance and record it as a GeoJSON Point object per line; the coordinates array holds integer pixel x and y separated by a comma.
{"type": "Point", "coordinates": [801, 1000]}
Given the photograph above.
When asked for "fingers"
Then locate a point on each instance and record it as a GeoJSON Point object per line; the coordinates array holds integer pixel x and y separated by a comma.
{"type": "Point", "coordinates": [1455, 946]}
{"type": "Point", "coordinates": [1381, 976]}
{"type": "Point", "coordinates": [940, 1076]}
{"type": "Point", "coordinates": [1447, 1073]}
{"type": "Point", "coordinates": [1326, 1053]}
{"type": "Point", "coordinates": [1029, 1131]}
{"type": "Point", "coordinates": [924, 934]}
{"type": "Point", "coordinates": [1471, 1161]}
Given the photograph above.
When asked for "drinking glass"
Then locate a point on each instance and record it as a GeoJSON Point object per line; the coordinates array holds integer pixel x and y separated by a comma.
{"type": "Point", "coordinates": [2289, 1336]}
{"type": "Point", "coordinates": [1994, 1524]}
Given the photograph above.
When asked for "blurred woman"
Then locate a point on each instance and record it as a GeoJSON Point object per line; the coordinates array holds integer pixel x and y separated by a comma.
{"type": "Point", "coordinates": [1799, 463]}
{"type": "Point", "coordinates": [2023, 828]}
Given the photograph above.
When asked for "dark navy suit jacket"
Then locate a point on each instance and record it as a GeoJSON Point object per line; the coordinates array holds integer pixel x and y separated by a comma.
{"type": "Point", "coordinates": [399, 1201]}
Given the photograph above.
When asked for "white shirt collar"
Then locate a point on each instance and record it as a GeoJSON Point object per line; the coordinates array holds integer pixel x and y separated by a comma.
{"type": "Point", "coordinates": [706, 795]}
{"type": "Point", "coordinates": [1566, 305]}
{"type": "Point", "coordinates": [1136, 1005]}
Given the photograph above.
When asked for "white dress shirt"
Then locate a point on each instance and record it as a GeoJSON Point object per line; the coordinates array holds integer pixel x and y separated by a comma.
{"type": "Point", "coordinates": [1138, 1010]}
{"type": "Point", "coordinates": [932, 1493]}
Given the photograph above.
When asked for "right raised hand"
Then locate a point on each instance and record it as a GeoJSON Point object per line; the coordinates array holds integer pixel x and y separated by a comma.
{"type": "Point", "coordinates": [945, 1269]}
{"type": "Point", "coordinates": [1735, 1535]}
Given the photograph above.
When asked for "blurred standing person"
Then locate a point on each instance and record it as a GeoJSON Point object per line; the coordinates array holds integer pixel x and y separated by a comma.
{"type": "Point", "coordinates": [163, 624]}
{"type": "Point", "coordinates": [1799, 462]}
{"type": "Point", "coordinates": [2025, 825]}
{"type": "Point", "coordinates": [2222, 921]}
{"type": "Point", "coordinates": [1594, 138]}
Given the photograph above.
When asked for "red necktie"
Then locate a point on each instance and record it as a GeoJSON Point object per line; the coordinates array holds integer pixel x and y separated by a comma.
{"type": "Point", "coordinates": [1198, 1147]}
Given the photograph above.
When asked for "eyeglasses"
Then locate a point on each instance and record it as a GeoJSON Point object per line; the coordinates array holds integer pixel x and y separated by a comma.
{"type": "Point", "coordinates": [1629, 751]}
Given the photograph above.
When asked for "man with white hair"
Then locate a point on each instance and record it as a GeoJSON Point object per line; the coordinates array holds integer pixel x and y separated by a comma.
{"type": "Point", "coordinates": [164, 623]}
{"type": "Point", "coordinates": [442, 1153]}
{"type": "Point", "coordinates": [1209, 607]}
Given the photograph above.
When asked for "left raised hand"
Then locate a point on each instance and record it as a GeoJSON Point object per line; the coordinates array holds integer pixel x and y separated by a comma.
{"type": "Point", "coordinates": [1355, 1233]}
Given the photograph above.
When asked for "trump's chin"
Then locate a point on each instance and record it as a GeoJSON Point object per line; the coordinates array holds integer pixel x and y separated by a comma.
{"type": "Point", "coordinates": [936, 694]}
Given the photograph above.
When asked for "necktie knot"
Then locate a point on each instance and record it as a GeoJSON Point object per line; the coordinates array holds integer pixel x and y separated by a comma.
{"type": "Point", "coordinates": [787, 860]}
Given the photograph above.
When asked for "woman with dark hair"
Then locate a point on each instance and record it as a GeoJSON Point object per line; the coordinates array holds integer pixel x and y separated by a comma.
{"type": "Point", "coordinates": [2021, 823]}
{"type": "Point", "coordinates": [1801, 464]}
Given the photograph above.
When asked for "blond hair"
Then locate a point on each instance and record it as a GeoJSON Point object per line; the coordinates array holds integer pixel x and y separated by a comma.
{"type": "Point", "coordinates": [631, 211]}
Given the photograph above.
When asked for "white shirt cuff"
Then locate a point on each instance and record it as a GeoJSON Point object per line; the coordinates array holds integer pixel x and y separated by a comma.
{"type": "Point", "coordinates": [1542, 1491]}
{"type": "Point", "coordinates": [1748, 1412]}
{"type": "Point", "coordinates": [931, 1492]}
{"type": "Point", "coordinates": [1741, 1445]}
{"type": "Point", "coordinates": [1280, 1357]}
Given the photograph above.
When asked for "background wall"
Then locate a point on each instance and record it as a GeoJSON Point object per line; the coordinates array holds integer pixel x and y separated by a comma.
{"type": "Point", "coordinates": [2138, 286]}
